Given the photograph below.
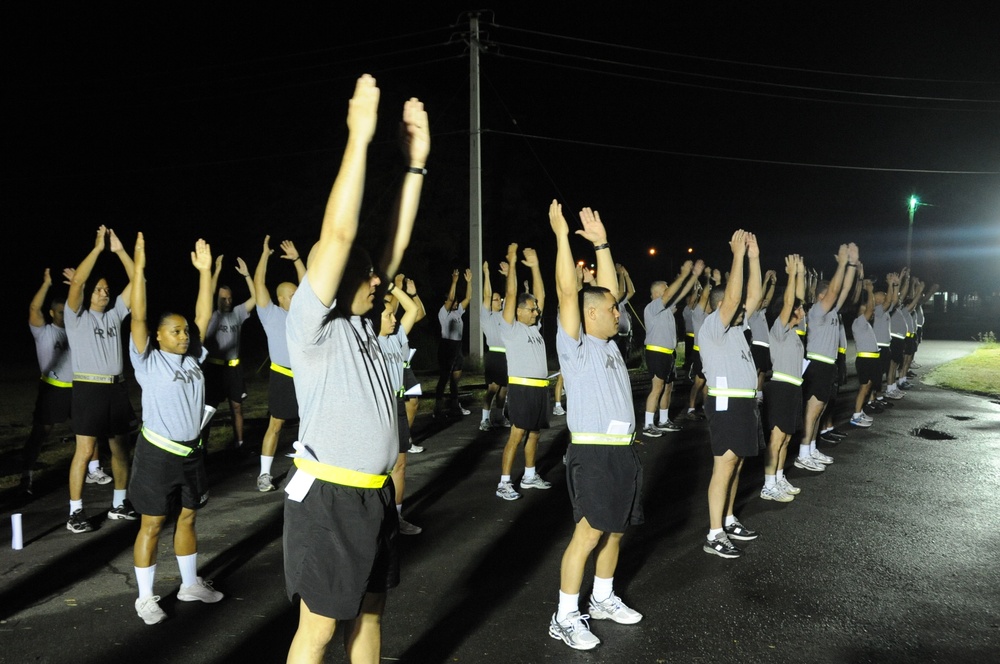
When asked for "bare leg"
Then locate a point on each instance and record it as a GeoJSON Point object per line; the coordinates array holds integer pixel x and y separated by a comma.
{"type": "Point", "coordinates": [270, 444]}
{"type": "Point", "coordinates": [311, 638]}
{"type": "Point", "coordinates": [510, 449]}
{"type": "Point", "coordinates": [399, 477]}
{"type": "Point", "coordinates": [723, 469]}
{"type": "Point", "coordinates": [78, 466]}
{"type": "Point", "coordinates": [236, 409]}
{"type": "Point", "coordinates": [531, 449]}
{"type": "Point", "coordinates": [733, 485]}
{"type": "Point", "coordinates": [363, 639]}
{"type": "Point", "coordinates": [185, 539]}
{"type": "Point", "coordinates": [607, 555]}
{"type": "Point", "coordinates": [653, 398]}
{"type": "Point", "coordinates": [574, 559]}
{"type": "Point", "coordinates": [119, 460]}
{"type": "Point", "coordinates": [144, 549]}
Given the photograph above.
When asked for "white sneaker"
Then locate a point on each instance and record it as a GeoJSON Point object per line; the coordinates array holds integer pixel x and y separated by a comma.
{"type": "Point", "coordinates": [893, 392]}
{"type": "Point", "coordinates": [613, 608]}
{"type": "Point", "coordinates": [506, 491]}
{"type": "Point", "coordinates": [776, 494]}
{"type": "Point", "coordinates": [866, 417]}
{"type": "Point", "coordinates": [149, 610]}
{"type": "Point", "coordinates": [99, 477]}
{"type": "Point", "coordinates": [535, 482]}
{"type": "Point", "coordinates": [787, 487]}
{"type": "Point", "coordinates": [824, 459]}
{"type": "Point", "coordinates": [861, 421]}
{"type": "Point", "coordinates": [199, 591]}
{"type": "Point", "coordinates": [264, 483]}
{"type": "Point", "coordinates": [558, 410]}
{"type": "Point", "coordinates": [574, 631]}
{"type": "Point", "coordinates": [407, 528]}
{"type": "Point", "coordinates": [463, 410]}
{"type": "Point", "coordinates": [415, 449]}
{"type": "Point", "coordinates": [485, 425]}
{"type": "Point", "coordinates": [808, 463]}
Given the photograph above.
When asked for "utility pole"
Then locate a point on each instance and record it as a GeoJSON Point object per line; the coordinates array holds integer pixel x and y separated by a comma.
{"type": "Point", "coordinates": [475, 195]}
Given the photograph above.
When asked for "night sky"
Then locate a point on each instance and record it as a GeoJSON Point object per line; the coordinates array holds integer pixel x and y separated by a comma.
{"type": "Point", "coordinates": [810, 127]}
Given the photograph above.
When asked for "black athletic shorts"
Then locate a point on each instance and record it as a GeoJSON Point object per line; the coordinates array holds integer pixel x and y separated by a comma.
{"type": "Point", "coordinates": [868, 369]}
{"type": "Point", "coordinates": [281, 396]}
{"type": "Point", "coordinates": [528, 407]}
{"type": "Point", "coordinates": [605, 486]}
{"type": "Point", "coordinates": [340, 543]}
{"type": "Point", "coordinates": [402, 425]}
{"type": "Point", "coordinates": [819, 379]}
{"type": "Point", "coordinates": [450, 357]}
{"type": "Point", "coordinates": [896, 346]}
{"type": "Point", "coordinates": [159, 477]}
{"type": "Point", "coordinates": [737, 428]}
{"type": "Point", "coordinates": [696, 367]}
{"type": "Point", "coordinates": [409, 382]}
{"type": "Point", "coordinates": [661, 365]}
{"type": "Point", "coordinates": [495, 365]}
{"type": "Point", "coordinates": [53, 404]}
{"type": "Point", "coordinates": [909, 345]}
{"type": "Point", "coordinates": [761, 357]}
{"type": "Point", "coordinates": [885, 357]}
{"type": "Point", "coordinates": [223, 383]}
{"type": "Point", "coordinates": [101, 410]}
{"type": "Point", "coordinates": [783, 405]}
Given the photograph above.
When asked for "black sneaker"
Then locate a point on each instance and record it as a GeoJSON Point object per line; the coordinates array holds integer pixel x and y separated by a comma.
{"type": "Point", "coordinates": [836, 433]}
{"type": "Point", "coordinates": [78, 523]}
{"type": "Point", "coordinates": [123, 511]}
{"type": "Point", "coordinates": [721, 546]}
{"type": "Point", "coordinates": [738, 531]}
{"type": "Point", "coordinates": [872, 408]}
{"type": "Point", "coordinates": [827, 438]}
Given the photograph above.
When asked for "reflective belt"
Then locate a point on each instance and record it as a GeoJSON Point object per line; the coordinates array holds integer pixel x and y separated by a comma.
{"type": "Point", "coordinates": [733, 392]}
{"type": "Point", "coordinates": [401, 392]}
{"type": "Point", "coordinates": [168, 445]}
{"type": "Point", "coordinates": [530, 382]}
{"type": "Point", "coordinates": [601, 438]}
{"type": "Point", "coordinates": [875, 355]}
{"type": "Point", "coordinates": [342, 476]}
{"type": "Point", "coordinates": [762, 343]}
{"type": "Point", "coordinates": [224, 363]}
{"type": "Point", "coordinates": [498, 349]}
{"type": "Point", "coordinates": [911, 334]}
{"type": "Point", "coordinates": [695, 347]}
{"type": "Point", "coordinates": [882, 345]}
{"type": "Point", "coordinates": [691, 334]}
{"type": "Point", "coordinates": [896, 336]}
{"type": "Point", "coordinates": [801, 333]}
{"type": "Point", "coordinates": [56, 383]}
{"type": "Point", "coordinates": [660, 349]}
{"type": "Point", "coordinates": [97, 378]}
{"type": "Point", "coordinates": [785, 378]}
{"type": "Point", "coordinates": [280, 369]}
{"type": "Point", "coordinates": [821, 358]}
{"type": "Point", "coordinates": [406, 365]}
{"type": "Point", "coordinates": [842, 351]}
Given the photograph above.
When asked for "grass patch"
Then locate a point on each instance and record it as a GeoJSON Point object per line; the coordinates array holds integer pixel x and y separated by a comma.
{"type": "Point", "coordinates": [979, 372]}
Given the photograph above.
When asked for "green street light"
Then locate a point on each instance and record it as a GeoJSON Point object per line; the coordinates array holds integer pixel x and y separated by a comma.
{"type": "Point", "coordinates": [914, 203]}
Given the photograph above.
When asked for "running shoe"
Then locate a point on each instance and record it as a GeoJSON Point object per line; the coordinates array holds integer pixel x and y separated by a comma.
{"type": "Point", "coordinates": [535, 482]}
{"type": "Point", "coordinates": [738, 531]}
{"type": "Point", "coordinates": [485, 425]}
{"type": "Point", "coordinates": [721, 546]}
{"type": "Point", "coordinates": [893, 392]}
{"type": "Point", "coordinates": [827, 438]}
{"type": "Point", "coordinates": [652, 431]}
{"type": "Point", "coordinates": [836, 433]}
{"type": "Point", "coordinates": [788, 487]}
{"type": "Point", "coordinates": [78, 523]}
{"type": "Point", "coordinates": [776, 494]}
{"type": "Point", "coordinates": [415, 449]}
{"type": "Point", "coordinates": [558, 410]}
{"type": "Point", "coordinates": [264, 483]}
{"type": "Point", "coordinates": [669, 427]}
{"type": "Point", "coordinates": [199, 591]}
{"type": "Point", "coordinates": [98, 477]}
{"type": "Point", "coordinates": [857, 421]}
{"type": "Point", "coordinates": [123, 512]}
{"type": "Point", "coordinates": [463, 410]}
{"type": "Point", "coordinates": [506, 491]}
{"type": "Point", "coordinates": [407, 528]}
{"type": "Point", "coordinates": [149, 610]}
{"type": "Point", "coordinates": [574, 631]}
{"type": "Point", "coordinates": [819, 457]}
{"type": "Point", "coordinates": [613, 608]}
{"type": "Point", "coordinates": [694, 416]}
{"type": "Point", "coordinates": [808, 463]}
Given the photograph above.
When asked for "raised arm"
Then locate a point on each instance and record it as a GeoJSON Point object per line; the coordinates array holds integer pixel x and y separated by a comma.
{"type": "Point", "coordinates": [468, 289]}
{"type": "Point", "coordinates": [868, 307]}
{"type": "Point", "coordinates": [118, 250]}
{"type": "Point", "coordinates": [537, 285]}
{"type": "Point", "coordinates": [788, 300]}
{"type": "Point", "coordinates": [674, 289]}
{"type": "Point", "coordinates": [510, 294]}
{"type": "Point", "coordinates": [215, 274]}
{"type": "Point", "coordinates": [487, 287]}
{"type": "Point", "coordinates": [261, 295]}
{"type": "Point", "coordinates": [137, 297]}
{"type": "Point", "coordinates": [566, 289]}
{"type": "Point", "coordinates": [732, 299]}
{"type": "Point", "coordinates": [916, 296]}
{"type": "Point", "coordinates": [754, 288]}
{"type": "Point", "coordinates": [74, 299]}
{"type": "Point", "coordinates": [411, 308]}
{"type": "Point", "coordinates": [292, 254]}
{"type": "Point", "coordinates": [629, 286]}
{"type": "Point", "coordinates": [829, 299]}
{"type": "Point", "coordinates": [340, 220]}
{"type": "Point", "coordinates": [770, 281]}
{"type": "Point", "coordinates": [201, 258]}
{"type": "Point", "coordinates": [416, 139]}
{"type": "Point", "coordinates": [849, 273]}
{"type": "Point", "coordinates": [244, 271]}
{"type": "Point", "coordinates": [594, 232]}
{"type": "Point", "coordinates": [36, 317]}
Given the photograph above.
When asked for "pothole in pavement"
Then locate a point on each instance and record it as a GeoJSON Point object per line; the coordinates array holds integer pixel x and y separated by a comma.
{"type": "Point", "coordinates": [930, 434]}
{"type": "Point", "coordinates": [961, 418]}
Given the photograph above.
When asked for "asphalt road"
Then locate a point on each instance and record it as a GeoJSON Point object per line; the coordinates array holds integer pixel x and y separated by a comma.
{"type": "Point", "coordinates": [888, 556]}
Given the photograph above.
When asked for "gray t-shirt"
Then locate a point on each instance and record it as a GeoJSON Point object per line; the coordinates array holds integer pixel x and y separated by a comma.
{"type": "Point", "coordinates": [864, 336]}
{"type": "Point", "coordinates": [624, 318]}
{"type": "Point", "coordinates": [786, 349]}
{"type": "Point", "coordinates": [525, 350]}
{"type": "Point", "coordinates": [688, 315]}
{"type": "Point", "coordinates": [491, 321]}
{"type": "Point", "coordinates": [347, 409]}
{"type": "Point", "coordinates": [597, 383]}
{"type": "Point", "coordinates": [222, 338]}
{"type": "Point", "coordinates": [758, 328]}
{"type": "Point", "coordinates": [452, 324]}
{"type": "Point", "coordinates": [395, 348]}
{"type": "Point", "coordinates": [725, 355]}
{"type": "Point", "coordinates": [824, 331]}
{"type": "Point", "coordinates": [698, 316]}
{"type": "Point", "coordinates": [95, 339]}
{"type": "Point", "coordinates": [918, 316]}
{"type": "Point", "coordinates": [52, 349]}
{"type": "Point", "coordinates": [173, 391]}
{"type": "Point", "coordinates": [880, 324]}
{"type": "Point", "coordinates": [661, 327]}
{"type": "Point", "coordinates": [273, 319]}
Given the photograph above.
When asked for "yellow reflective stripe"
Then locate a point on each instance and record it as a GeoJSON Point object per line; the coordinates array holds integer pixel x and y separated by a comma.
{"type": "Point", "coordinates": [342, 476]}
{"type": "Point", "coordinates": [280, 369]}
{"type": "Point", "coordinates": [734, 392]}
{"type": "Point", "coordinates": [690, 334]}
{"type": "Point", "coordinates": [498, 349]}
{"type": "Point", "coordinates": [224, 363]}
{"type": "Point", "coordinates": [911, 334]}
{"type": "Point", "coordinates": [168, 445]}
{"type": "Point", "coordinates": [869, 354]}
{"type": "Point", "coordinates": [56, 383]}
{"type": "Point", "coordinates": [841, 350]}
{"type": "Point", "coordinates": [406, 365]}
{"type": "Point", "coordinates": [97, 378]}
{"type": "Point", "coordinates": [821, 358]}
{"type": "Point", "coordinates": [601, 438]}
{"type": "Point", "coordinates": [785, 378]}
{"type": "Point", "coordinates": [530, 382]}
{"type": "Point", "coordinates": [801, 333]}
{"type": "Point", "coordinates": [660, 349]}
{"type": "Point", "coordinates": [695, 348]}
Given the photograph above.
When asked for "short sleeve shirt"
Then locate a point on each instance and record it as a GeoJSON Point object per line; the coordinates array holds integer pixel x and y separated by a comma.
{"type": "Point", "coordinates": [725, 355]}
{"type": "Point", "coordinates": [597, 383]}
{"type": "Point", "coordinates": [52, 349]}
{"type": "Point", "coordinates": [95, 338]}
{"type": "Point", "coordinates": [173, 391]}
{"type": "Point", "coordinates": [452, 325]}
{"type": "Point", "coordinates": [786, 349]}
{"type": "Point", "coordinates": [661, 327]}
{"type": "Point", "coordinates": [272, 319]}
{"type": "Point", "coordinates": [491, 322]}
{"type": "Point", "coordinates": [222, 338]}
{"type": "Point", "coordinates": [525, 350]}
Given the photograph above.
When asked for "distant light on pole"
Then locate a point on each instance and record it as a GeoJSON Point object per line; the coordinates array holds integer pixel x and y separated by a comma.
{"type": "Point", "coordinates": [914, 203]}
{"type": "Point", "coordinates": [690, 250]}
{"type": "Point", "coordinates": [652, 251]}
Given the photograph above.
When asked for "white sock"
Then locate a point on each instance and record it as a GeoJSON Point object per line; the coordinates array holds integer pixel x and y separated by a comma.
{"type": "Point", "coordinates": [189, 569]}
{"type": "Point", "coordinates": [75, 505]}
{"type": "Point", "coordinates": [529, 473]}
{"type": "Point", "coordinates": [567, 605]}
{"type": "Point", "coordinates": [804, 451]}
{"type": "Point", "coordinates": [603, 588]}
{"type": "Point", "coordinates": [504, 478]}
{"type": "Point", "coordinates": [399, 509]}
{"type": "Point", "coordinates": [857, 416]}
{"type": "Point", "coordinates": [690, 410]}
{"type": "Point", "coordinates": [265, 464]}
{"type": "Point", "coordinates": [780, 475]}
{"type": "Point", "coordinates": [714, 534]}
{"type": "Point", "coordinates": [812, 447]}
{"type": "Point", "coordinates": [119, 498]}
{"type": "Point", "coordinates": [486, 414]}
{"type": "Point", "coordinates": [664, 415]}
{"type": "Point", "coordinates": [770, 481]}
{"type": "Point", "coordinates": [901, 381]}
{"type": "Point", "coordinates": [822, 431]}
{"type": "Point", "coordinates": [730, 520]}
{"type": "Point", "coordinates": [144, 580]}
{"type": "Point", "coordinates": [93, 465]}
{"type": "Point", "coordinates": [649, 419]}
